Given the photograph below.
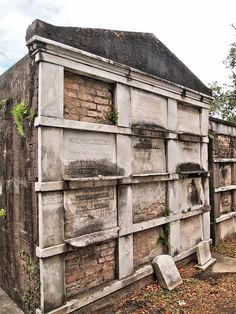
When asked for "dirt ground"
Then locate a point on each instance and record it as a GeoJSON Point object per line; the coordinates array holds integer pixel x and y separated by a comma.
{"type": "Point", "coordinates": [201, 292]}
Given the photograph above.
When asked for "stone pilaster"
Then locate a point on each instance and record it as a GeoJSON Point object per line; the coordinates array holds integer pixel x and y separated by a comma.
{"type": "Point", "coordinates": [50, 165]}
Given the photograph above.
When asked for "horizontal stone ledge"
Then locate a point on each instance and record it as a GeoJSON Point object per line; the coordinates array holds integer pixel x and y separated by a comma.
{"type": "Point", "coordinates": [144, 225]}
{"type": "Point", "coordinates": [148, 177]}
{"type": "Point", "coordinates": [188, 137]}
{"type": "Point", "coordinates": [225, 188]}
{"type": "Point", "coordinates": [51, 251]}
{"type": "Point", "coordinates": [76, 183]}
{"type": "Point", "coordinates": [96, 237]}
{"type": "Point", "coordinates": [201, 173]}
{"type": "Point", "coordinates": [102, 181]}
{"type": "Point", "coordinates": [225, 217]}
{"type": "Point", "coordinates": [80, 125]}
{"type": "Point", "coordinates": [114, 129]}
{"type": "Point", "coordinates": [187, 253]}
{"type": "Point", "coordinates": [92, 296]}
{"type": "Point", "coordinates": [224, 160]}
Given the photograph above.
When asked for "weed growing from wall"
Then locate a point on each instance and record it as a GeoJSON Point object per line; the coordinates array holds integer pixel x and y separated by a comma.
{"type": "Point", "coordinates": [31, 293]}
{"type": "Point", "coordinates": [112, 117]}
{"type": "Point", "coordinates": [20, 112]}
{"type": "Point", "coordinates": [3, 213]}
{"type": "Point", "coordinates": [164, 237]}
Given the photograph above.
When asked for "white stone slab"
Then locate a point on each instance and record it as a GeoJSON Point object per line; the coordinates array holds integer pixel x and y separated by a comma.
{"type": "Point", "coordinates": [175, 238]}
{"type": "Point", "coordinates": [188, 119]}
{"type": "Point", "coordinates": [89, 154]}
{"type": "Point", "coordinates": [148, 108]}
{"type": "Point", "coordinates": [172, 114]}
{"type": "Point", "coordinates": [206, 223]}
{"type": "Point", "coordinates": [166, 271]}
{"type": "Point", "coordinates": [51, 89]}
{"type": "Point", "coordinates": [190, 232]}
{"type": "Point", "coordinates": [203, 252]}
{"type": "Point", "coordinates": [50, 154]}
{"type": "Point", "coordinates": [204, 156]}
{"type": "Point", "coordinates": [149, 201]}
{"type": "Point", "coordinates": [172, 158]}
{"type": "Point", "coordinates": [125, 258]}
{"type": "Point", "coordinates": [89, 210]}
{"type": "Point", "coordinates": [173, 197]}
{"type": "Point", "coordinates": [148, 155]}
{"type": "Point", "coordinates": [204, 121]}
{"type": "Point", "coordinates": [51, 219]}
{"type": "Point", "coordinates": [122, 103]}
{"type": "Point", "coordinates": [189, 152]}
{"type": "Point", "coordinates": [124, 157]}
{"type": "Point", "coordinates": [52, 282]}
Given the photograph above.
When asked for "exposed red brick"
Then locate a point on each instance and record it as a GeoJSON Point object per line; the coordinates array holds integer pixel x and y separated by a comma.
{"type": "Point", "coordinates": [89, 267]}
{"type": "Point", "coordinates": [87, 99]}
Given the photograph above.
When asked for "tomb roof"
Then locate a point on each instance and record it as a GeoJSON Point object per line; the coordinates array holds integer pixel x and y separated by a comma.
{"type": "Point", "coordinates": [142, 51]}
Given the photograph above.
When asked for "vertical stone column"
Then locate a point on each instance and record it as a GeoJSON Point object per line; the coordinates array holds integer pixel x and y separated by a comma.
{"type": "Point", "coordinates": [50, 165]}
{"type": "Point", "coordinates": [172, 189]}
{"type": "Point", "coordinates": [233, 182]}
{"type": "Point", "coordinates": [124, 160]}
{"type": "Point", "coordinates": [204, 122]}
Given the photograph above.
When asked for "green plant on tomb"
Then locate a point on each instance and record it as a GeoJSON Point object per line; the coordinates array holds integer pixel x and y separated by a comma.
{"type": "Point", "coordinates": [112, 117]}
{"type": "Point", "coordinates": [164, 238]}
{"type": "Point", "coordinates": [31, 293]}
{"type": "Point", "coordinates": [181, 175]}
{"type": "Point", "coordinates": [3, 213]}
{"type": "Point", "coordinates": [167, 211]}
{"type": "Point", "coordinates": [20, 113]}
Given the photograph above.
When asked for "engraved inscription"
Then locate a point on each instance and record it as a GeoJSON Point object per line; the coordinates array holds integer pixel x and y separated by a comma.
{"type": "Point", "coordinates": [189, 152]}
{"type": "Point", "coordinates": [90, 210]}
{"type": "Point", "coordinates": [89, 141]}
{"type": "Point", "coordinates": [149, 155]}
{"type": "Point", "coordinates": [88, 154]}
{"type": "Point", "coordinates": [148, 108]}
{"type": "Point", "coordinates": [52, 199]}
{"type": "Point", "coordinates": [89, 168]}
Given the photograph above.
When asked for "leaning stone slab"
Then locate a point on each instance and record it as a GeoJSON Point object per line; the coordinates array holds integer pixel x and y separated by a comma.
{"type": "Point", "coordinates": [166, 271]}
{"type": "Point", "coordinates": [204, 255]}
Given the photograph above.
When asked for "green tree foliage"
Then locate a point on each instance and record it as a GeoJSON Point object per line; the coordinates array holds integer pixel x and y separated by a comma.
{"type": "Point", "coordinates": [224, 103]}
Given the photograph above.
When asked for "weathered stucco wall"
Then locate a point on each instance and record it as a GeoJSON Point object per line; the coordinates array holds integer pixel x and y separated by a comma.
{"type": "Point", "coordinates": [18, 173]}
{"type": "Point", "coordinates": [222, 162]}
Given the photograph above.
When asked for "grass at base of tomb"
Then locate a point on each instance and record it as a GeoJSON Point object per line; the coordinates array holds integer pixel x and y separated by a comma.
{"type": "Point", "coordinates": [200, 292]}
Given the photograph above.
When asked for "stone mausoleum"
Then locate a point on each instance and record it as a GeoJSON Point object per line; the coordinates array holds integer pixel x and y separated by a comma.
{"type": "Point", "coordinates": [103, 166]}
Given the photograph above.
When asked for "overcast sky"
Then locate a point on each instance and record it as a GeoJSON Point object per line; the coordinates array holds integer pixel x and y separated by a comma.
{"type": "Point", "coordinates": [198, 32]}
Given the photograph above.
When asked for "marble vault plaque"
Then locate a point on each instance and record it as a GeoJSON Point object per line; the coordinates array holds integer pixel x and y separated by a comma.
{"type": "Point", "coordinates": [89, 154]}
{"type": "Point", "coordinates": [89, 210]}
